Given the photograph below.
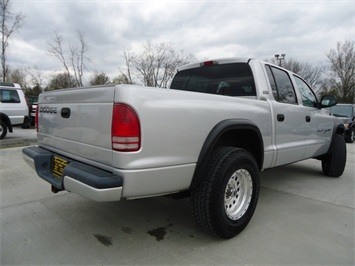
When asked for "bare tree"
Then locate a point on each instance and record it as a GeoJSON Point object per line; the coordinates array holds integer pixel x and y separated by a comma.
{"type": "Point", "coordinates": [74, 63]}
{"type": "Point", "coordinates": [56, 49]}
{"type": "Point", "coordinates": [10, 23]}
{"type": "Point", "coordinates": [312, 74]}
{"type": "Point", "coordinates": [36, 76]}
{"type": "Point", "coordinates": [155, 65]}
{"type": "Point", "coordinates": [342, 70]}
{"type": "Point", "coordinates": [126, 74]}
{"type": "Point", "coordinates": [77, 56]}
{"type": "Point", "coordinates": [19, 76]}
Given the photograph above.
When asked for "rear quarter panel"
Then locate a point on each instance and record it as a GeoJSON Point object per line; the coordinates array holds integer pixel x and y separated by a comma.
{"type": "Point", "coordinates": [175, 124]}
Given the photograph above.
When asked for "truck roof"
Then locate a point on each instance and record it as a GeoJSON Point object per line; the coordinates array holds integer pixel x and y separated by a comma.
{"type": "Point", "coordinates": [216, 61]}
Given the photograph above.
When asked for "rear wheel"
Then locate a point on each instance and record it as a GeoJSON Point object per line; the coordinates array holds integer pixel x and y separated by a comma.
{"type": "Point", "coordinates": [3, 129]}
{"type": "Point", "coordinates": [226, 199]}
{"type": "Point", "coordinates": [333, 163]}
{"type": "Point", "coordinates": [27, 122]}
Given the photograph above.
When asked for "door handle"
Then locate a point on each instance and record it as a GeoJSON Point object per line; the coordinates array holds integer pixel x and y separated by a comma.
{"type": "Point", "coordinates": [280, 117]}
{"type": "Point", "coordinates": [308, 119]}
{"type": "Point", "coordinates": [65, 112]}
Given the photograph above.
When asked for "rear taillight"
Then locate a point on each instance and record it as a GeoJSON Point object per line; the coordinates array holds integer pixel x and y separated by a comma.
{"type": "Point", "coordinates": [125, 133]}
{"type": "Point", "coordinates": [36, 118]}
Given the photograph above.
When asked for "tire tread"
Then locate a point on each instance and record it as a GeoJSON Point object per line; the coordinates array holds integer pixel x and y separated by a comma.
{"type": "Point", "coordinates": [202, 197]}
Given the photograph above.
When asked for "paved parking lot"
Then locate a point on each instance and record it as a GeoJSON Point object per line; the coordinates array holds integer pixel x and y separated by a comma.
{"type": "Point", "coordinates": [19, 137]}
{"type": "Point", "coordinates": [302, 218]}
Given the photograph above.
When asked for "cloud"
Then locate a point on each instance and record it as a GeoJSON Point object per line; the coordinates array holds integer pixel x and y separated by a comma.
{"type": "Point", "coordinates": [304, 30]}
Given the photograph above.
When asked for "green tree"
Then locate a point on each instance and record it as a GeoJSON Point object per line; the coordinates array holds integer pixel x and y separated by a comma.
{"type": "Point", "coordinates": [61, 81]}
{"type": "Point", "coordinates": [100, 79]}
{"type": "Point", "coordinates": [34, 91]}
{"type": "Point", "coordinates": [122, 79]}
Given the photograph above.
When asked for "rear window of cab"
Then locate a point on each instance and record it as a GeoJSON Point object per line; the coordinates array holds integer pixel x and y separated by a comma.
{"type": "Point", "coordinates": [235, 79]}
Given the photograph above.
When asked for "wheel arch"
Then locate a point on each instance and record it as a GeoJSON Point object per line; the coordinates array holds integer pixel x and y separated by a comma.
{"type": "Point", "coordinates": [241, 133]}
{"type": "Point", "coordinates": [6, 120]}
{"type": "Point", "coordinates": [339, 129]}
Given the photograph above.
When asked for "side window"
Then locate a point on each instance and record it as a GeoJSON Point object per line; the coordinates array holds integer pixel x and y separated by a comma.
{"type": "Point", "coordinates": [9, 96]}
{"type": "Point", "coordinates": [272, 83]}
{"type": "Point", "coordinates": [281, 85]}
{"type": "Point", "coordinates": [308, 97]}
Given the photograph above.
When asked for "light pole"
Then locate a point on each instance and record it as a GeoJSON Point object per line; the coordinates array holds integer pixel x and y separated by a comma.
{"type": "Point", "coordinates": [280, 58]}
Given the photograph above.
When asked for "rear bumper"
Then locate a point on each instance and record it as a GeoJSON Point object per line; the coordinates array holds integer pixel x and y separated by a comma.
{"type": "Point", "coordinates": [79, 178]}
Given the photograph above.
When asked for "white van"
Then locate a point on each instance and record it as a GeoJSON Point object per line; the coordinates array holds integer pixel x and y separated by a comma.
{"type": "Point", "coordinates": [13, 108]}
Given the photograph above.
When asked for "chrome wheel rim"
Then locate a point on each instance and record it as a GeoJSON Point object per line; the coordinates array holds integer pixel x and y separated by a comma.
{"type": "Point", "coordinates": [238, 194]}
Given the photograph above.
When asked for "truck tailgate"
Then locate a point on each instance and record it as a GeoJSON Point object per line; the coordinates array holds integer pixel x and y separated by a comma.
{"type": "Point", "coordinates": [77, 121]}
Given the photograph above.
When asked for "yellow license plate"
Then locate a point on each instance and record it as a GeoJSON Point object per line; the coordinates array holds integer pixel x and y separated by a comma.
{"type": "Point", "coordinates": [58, 166]}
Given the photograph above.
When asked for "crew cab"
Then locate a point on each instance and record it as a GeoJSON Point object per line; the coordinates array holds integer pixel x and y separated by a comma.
{"type": "Point", "coordinates": [208, 136]}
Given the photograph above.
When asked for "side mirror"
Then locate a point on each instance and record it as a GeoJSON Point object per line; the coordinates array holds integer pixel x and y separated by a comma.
{"type": "Point", "coordinates": [328, 101]}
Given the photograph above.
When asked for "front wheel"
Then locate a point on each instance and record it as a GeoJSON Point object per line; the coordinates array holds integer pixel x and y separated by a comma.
{"type": "Point", "coordinates": [226, 199]}
{"type": "Point", "coordinates": [3, 129]}
{"type": "Point", "coordinates": [333, 163]}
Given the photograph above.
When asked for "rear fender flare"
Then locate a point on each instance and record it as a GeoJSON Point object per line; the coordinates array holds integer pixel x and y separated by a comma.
{"type": "Point", "coordinates": [218, 137]}
{"type": "Point", "coordinates": [338, 129]}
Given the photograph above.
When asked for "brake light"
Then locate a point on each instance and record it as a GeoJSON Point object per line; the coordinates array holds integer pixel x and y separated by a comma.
{"type": "Point", "coordinates": [209, 63]}
{"type": "Point", "coordinates": [125, 131]}
{"type": "Point", "coordinates": [36, 118]}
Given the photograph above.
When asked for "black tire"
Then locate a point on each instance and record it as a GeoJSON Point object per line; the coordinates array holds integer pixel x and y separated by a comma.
{"type": "Point", "coordinates": [27, 123]}
{"type": "Point", "coordinates": [3, 129]}
{"type": "Point", "coordinates": [333, 163]}
{"type": "Point", "coordinates": [350, 137]}
{"type": "Point", "coordinates": [225, 201]}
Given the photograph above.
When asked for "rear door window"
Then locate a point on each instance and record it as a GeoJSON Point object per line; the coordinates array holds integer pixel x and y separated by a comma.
{"type": "Point", "coordinates": [281, 85]}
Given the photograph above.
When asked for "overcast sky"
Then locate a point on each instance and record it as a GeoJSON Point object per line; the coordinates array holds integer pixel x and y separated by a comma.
{"type": "Point", "coordinates": [302, 29]}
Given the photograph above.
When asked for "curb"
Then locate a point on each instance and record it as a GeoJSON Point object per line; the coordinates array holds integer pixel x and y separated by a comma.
{"type": "Point", "coordinates": [12, 143]}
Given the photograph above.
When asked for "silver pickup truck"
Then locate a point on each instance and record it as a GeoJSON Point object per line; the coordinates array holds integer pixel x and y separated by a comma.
{"type": "Point", "coordinates": [207, 136]}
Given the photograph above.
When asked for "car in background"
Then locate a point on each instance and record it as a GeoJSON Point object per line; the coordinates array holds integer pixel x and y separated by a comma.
{"type": "Point", "coordinates": [346, 112]}
{"type": "Point", "coordinates": [32, 106]}
{"type": "Point", "coordinates": [13, 108]}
